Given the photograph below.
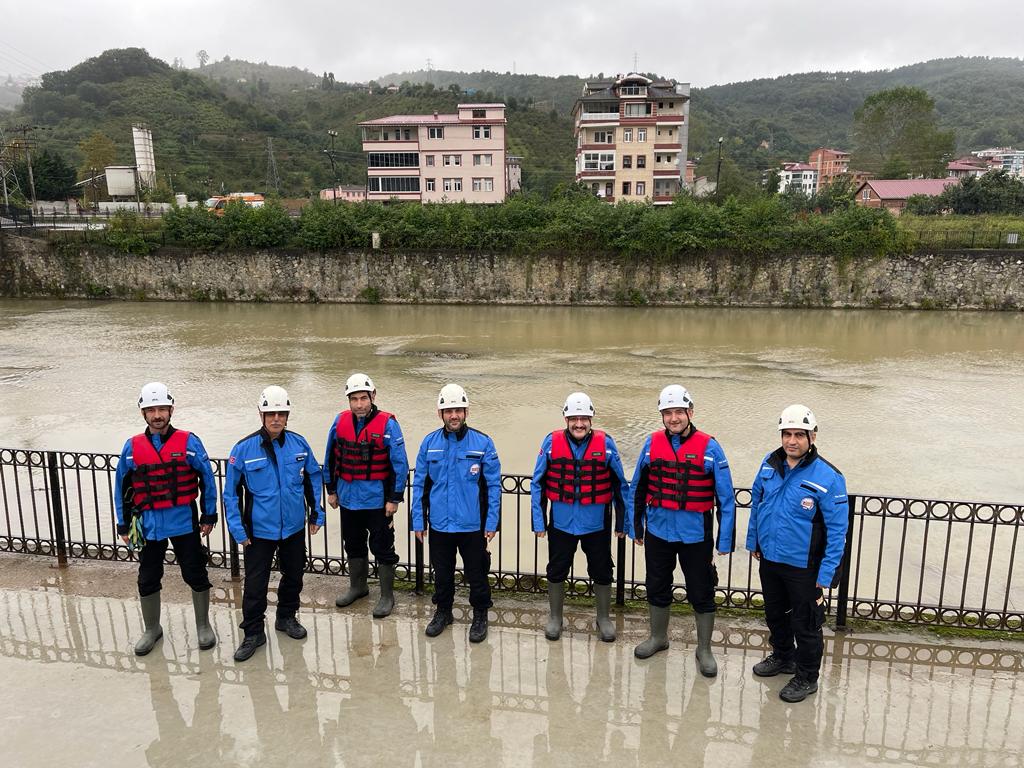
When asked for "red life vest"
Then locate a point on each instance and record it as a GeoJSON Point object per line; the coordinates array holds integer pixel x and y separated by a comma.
{"type": "Point", "coordinates": [363, 456]}
{"type": "Point", "coordinates": [587, 480]}
{"type": "Point", "coordinates": [678, 480]}
{"type": "Point", "coordinates": [165, 479]}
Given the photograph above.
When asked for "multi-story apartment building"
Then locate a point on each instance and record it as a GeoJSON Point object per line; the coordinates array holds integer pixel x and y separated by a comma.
{"type": "Point", "coordinates": [829, 163]}
{"type": "Point", "coordinates": [1011, 160]}
{"type": "Point", "coordinates": [434, 158]}
{"type": "Point", "coordinates": [802, 176]}
{"type": "Point", "coordinates": [631, 138]}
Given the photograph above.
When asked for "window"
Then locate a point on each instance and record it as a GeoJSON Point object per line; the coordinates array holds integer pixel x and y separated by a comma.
{"type": "Point", "coordinates": [430, 185]}
{"type": "Point", "coordinates": [452, 159]}
{"type": "Point", "coordinates": [483, 185]}
{"type": "Point", "coordinates": [627, 161]}
{"type": "Point", "coordinates": [867, 194]}
{"type": "Point", "coordinates": [481, 131]}
{"type": "Point", "coordinates": [479, 114]}
{"type": "Point", "coordinates": [671, 104]}
{"type": "Point", "coordinates": [392, 160]}
{"type": "Point", "coordinates": [637, 110]}
{"type": "Point", "coordinates": [598, 161]}
{"type": "Point", "coordinates": [661, 105]}
{"type": "Point", "coordinates": [435, 132]}
{"type": "Point", "coordinates": [406, 134]}
{"type": "Point", "coordinates": [627, 134]}
{"type": "Point", "coordinates": [641, 188]}
{"type": "Point", "coordinates": [641, 161]}
{"type": "Point", "coordinates": [453, 185]}
{"type": "Point", "coordinates": [641, 134]}
{"type": "Point", "coordinates": [394, 183]}
{"type": "Point", "coordinates": [625, 188]}
{"type": "Point", "coordinates": [609, 190]}
{"type": "Point", "coordinates": [604, 137]}
{"type": "Point", "coordinates": [430, 160]}
{"type": "Point", "coordinates": [483, 159]}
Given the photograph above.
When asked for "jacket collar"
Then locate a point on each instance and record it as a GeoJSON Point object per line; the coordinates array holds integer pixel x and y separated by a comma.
{"type": "Point", "coordinates": [268, 441]}
{"type": "Point", "coordinates": [463, 431]}
{"type": "Point", "coordinates": [163, 438]}
{"type": "Point", "coordinates": [368, 418]}
{"type": "Point", "coordinates": [777, 459]}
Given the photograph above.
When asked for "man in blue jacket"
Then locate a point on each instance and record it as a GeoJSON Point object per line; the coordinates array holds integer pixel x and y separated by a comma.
{"type": "Point", "coordinates": [456, 491]}
{"type": "Point", "coordinates": [273, 485]}
{"type": "Point", "coordinates": [367, 470]}
{"type": "Point", "coordinates": [798, 521]}
{"type": "Point", "coordinates": [160, 475]}
{"type": "Point", "coordinates": [681, 478]}
{"type": "Point", "coordinates": [579, 472]}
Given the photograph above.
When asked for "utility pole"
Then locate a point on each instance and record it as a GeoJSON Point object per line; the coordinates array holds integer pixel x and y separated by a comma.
{"type": "Point", "coordinates": [273, 180]}
{"type": "Point", "coordinates": [26, 144]}
{"type": "Point", "coordinates": [718, 173]}
{"type": "Point", "coordinates": [334, 169]}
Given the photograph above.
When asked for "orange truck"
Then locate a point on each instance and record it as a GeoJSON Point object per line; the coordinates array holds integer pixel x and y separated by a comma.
{"type": "Point", "coordinates": [219, 202]}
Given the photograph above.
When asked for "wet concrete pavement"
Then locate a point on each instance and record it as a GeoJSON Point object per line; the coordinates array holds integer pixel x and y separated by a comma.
{"type": "Point", "coordinates": [364, 692]}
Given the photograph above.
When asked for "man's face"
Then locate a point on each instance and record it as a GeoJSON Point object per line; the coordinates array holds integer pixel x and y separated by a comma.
{"type": "Point", "coordinates": [275, 422]}
{"type": "Point", "coordinates": [579, 426]}
{"type": "Point", "coordinates": [361, 403]}
{"type": "Point", "coordinates": [676, 420]}
{"type": "Point", "coordinates": [158, 417]}
{"type": "Point", "coordinates": [796, 442]}
{"type": "Point", "coordinates": [453, 418]}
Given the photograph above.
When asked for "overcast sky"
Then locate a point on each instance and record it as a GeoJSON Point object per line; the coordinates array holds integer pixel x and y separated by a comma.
{"type": "Point", "coordinates": [698, 41]}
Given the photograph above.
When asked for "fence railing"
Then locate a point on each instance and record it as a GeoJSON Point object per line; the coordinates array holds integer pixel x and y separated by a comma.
{"type": "Point", "coordinates": [920, 561]}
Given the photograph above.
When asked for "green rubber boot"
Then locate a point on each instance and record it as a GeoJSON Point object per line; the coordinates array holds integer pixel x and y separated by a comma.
{"type": "Point", "coordinates": [386, 604]}
{"type": "Point", "coordinates": [658, 641]}
{"type": "Point", "coordinates": [201, 606]}
{"type": "Point", "coordinates": [151, 618]}
{"type": "Point", "coordinates": [358, 567]}
{"type": "Point", "coordinates": [605, 625]}
{"type": "Point", "coordinates": [556, 600]}
{"type": "Point", "coordinates": [705, 660]}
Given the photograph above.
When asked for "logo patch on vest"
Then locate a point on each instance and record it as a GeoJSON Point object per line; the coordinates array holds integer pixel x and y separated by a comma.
{"type": "Point", "coordinates": [807, 502]}
{"type": "Point", "coordinates": [691, 455]}
{"type": "Point", "coordinates": [474, 470]}
{"type": "Point", "coordinates": [597, 454]}
{"type": "Point", "coordinates": [374, 435]}
{"type": "Point", "coordinates": [176, 455]}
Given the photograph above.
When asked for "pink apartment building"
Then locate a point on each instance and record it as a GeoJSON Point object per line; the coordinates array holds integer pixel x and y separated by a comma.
{"type": "Point", "coordinates": [435, 158]}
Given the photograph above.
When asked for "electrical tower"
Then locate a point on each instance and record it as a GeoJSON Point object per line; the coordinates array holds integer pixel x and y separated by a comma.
{"type": "Point", "coordinates": [8, 178]}
{"type": "Point", "coordinates": [273, 180]}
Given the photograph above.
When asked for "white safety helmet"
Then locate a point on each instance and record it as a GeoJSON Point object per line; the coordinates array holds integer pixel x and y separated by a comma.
{"type": "Point", "coordinates": [674, 396]}
{"type": "Point", "coordinates": [359, 382]}
{"type": "Point", "coordinates": [274, 399]}
{"type": "Point", "coordinates": [798, 417]}
{"type": "Point", "coordinates": [578, 404]}
{"type": "Point", "coordinates": [452, 396]}
{"type": "Point", "coordinates": [154, 394]}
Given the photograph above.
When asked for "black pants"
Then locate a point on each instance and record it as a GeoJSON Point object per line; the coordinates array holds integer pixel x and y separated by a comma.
{"type": "Point", "coordinates": [597, 546]}
{"type": "Point", "coordinates": [191, 556]}
{"type": "Point", "coordinates": [698, 566]}
{"type": "Point", "coordinates": [792, 612]}
{"type": "Point", "coordinates": [357, 524]}
{"type": "Point", "coordinates": [259, 556]}
{"type": "Point", "coordinates": [476, 562]}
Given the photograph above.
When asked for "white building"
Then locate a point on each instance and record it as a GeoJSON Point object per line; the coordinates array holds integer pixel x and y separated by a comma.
{"type": "Point", "coordinates": [1012, 160]}
{"type": "Point", "coordinates": [802, 176]}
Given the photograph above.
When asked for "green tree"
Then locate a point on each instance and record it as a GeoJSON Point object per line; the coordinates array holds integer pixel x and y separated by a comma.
{"type": "Point", "coordinates": [98, 151]}
{"type": "Point", "coordinates": [895, 135]}
{"type": "Point", "coordinates": [53, 175]}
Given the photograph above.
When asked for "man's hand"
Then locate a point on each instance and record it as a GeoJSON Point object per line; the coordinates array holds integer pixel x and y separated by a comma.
{"type": "Point", "coordinates": [125, 538]}
{"type": "Point", "coordinates": [620, 534]}
{"type": "Point", "coordinates": [722, 554]}
{"type": "Point", "coordinates": [420, 535]}
{"type": "Point", "coordinates": [390, 508]}
{"type": "Point", "coordinates": [489, 535]}
{"type": "Point", "coordinates": [540, 534]}
{"type": "Point", "coordinates": [756, 555]}
{"type": "Point", "coordinates": [205, 528]}
{"type": "Point", "coordinates": [314, 529]}
{"type": "Point", "coordinates": [639, 542]}
{"type": "Point", "coordinates": [247, 542]}
{"type": "Point", "coordinates": [332, 500]}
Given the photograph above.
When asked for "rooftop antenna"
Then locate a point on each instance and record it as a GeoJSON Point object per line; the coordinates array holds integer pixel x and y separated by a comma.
{"type": "Point", "coordinates": [636, 62]}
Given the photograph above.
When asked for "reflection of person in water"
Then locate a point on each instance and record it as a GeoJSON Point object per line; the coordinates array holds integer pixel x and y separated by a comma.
{"type": "Point", "coordinates": [690, 743]}
{"type": "Point", "coordinates": [374, 725]}
{"type": "Point", "coordinates": [203, 740]}
{"type": "Point", "coordinates": [788, 731]}
{"type": "Point", "coordinates": [286, 726]}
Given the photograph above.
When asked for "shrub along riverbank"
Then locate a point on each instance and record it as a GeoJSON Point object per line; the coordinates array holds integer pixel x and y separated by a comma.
{"type": "Point", "coordinates": [573, 223]}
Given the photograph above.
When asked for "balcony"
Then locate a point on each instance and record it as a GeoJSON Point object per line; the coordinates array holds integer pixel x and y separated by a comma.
{"type": "Point", "coordinates": [595, 116]}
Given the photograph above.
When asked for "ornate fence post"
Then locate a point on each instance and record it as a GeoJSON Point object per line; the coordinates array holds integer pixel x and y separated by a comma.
{"type": "Point", "coordinates": [56, 509]}
{"type": "Point", "coordinates": [843, 601]}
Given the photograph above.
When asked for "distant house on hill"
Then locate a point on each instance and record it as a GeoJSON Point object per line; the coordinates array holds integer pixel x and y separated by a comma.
{"type": "Point", "coordinates": [800, 176]}
{"type": "Point", "coordinates": [892, 194]}
{"type": "Point", "coordinates": [349, 193]}
{"type": "Point", "coordinates": [969, 166]}
{"type": "Point", "coordinates": [829, 163]}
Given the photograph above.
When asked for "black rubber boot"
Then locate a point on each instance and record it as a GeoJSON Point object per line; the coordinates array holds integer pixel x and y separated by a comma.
{"type": "Point", "coordinates": [478, 629]}
{"type": "Point", "coordinates": [151, 618]}
{"type": "Point", "coordinates": [386, 604]}
{"type": "Point", "coordinates": [201, 606]}
{"type": "Point", "coordinates": [705, 660]}
{"type": "Point", "coordinates": [556, 600]}
{"type": "Point", "coordinates": [442, 618]}
{"type": "Point", "coordinates": [358, 567]}
{"type": "Point", "coordinates": [658, 641]}
{"type": "Point", "coordinates": [605, 626]}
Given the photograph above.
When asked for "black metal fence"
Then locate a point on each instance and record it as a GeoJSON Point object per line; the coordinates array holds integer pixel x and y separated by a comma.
{"type": "Point", "coordinates": [920, 561]}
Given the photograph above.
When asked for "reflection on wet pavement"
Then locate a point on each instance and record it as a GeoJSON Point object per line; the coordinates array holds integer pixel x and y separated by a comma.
{"type": "Point", "coordinates": [360, 692]}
